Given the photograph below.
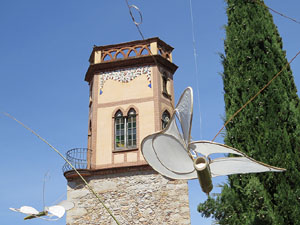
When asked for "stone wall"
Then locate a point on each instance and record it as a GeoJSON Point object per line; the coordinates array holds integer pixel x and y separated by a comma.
{"type": "Point", "coordinates": [143, 197]}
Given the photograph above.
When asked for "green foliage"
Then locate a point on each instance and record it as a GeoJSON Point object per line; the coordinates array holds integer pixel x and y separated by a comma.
{"type": "Point", "coordinates": [268, 129]}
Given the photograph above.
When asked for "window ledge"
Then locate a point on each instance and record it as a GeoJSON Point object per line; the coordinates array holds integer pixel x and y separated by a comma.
{"type": "Point", "coordinates": [125, 149]}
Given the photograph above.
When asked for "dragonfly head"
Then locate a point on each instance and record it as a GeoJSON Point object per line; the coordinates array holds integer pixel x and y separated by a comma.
{"type": "Point", "coordinates": [46, 210]}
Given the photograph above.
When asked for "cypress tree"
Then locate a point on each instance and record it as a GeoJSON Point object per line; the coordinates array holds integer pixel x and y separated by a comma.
{"type": "Point", "coordinates": [268, 129]}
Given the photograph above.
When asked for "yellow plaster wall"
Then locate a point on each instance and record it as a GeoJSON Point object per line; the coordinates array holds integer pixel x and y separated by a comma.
{"type": "Point", "coordinates": [132, 157]}
{"type": "Point", "coordinates": [137, 88]}
{"type": "Point", "coordinates": [104, 135]}
{"type": "Point", "coordinates": [119, 158]}
{"type": "Point", "coordinates": [146, 119]}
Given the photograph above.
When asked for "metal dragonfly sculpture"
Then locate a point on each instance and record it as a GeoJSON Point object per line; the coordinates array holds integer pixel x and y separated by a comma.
{"type": "Point", "coordinates": [49, 213]}
{"type": "Point", "coordinates": [172, 153]}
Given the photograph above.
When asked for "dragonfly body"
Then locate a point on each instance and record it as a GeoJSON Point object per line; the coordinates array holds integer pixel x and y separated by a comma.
{"type": "Point", "coordinates": [204, 175]}
{"type": "Point", "coordinates": [43, 213]}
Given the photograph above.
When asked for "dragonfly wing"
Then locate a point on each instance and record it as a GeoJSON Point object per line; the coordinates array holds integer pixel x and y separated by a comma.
{"type": "Point", "coordinates": [28, 210]}
{"type": "Point", "coordinates": [167, 156]}
{"type": "Point", "coordinates": [239, 165]}
{"type": "Point", "coordinates": [57, 210]}
{"type": "Point", "coordinates": [14, 209]}
{"type": "Point", "coordinates": [184, 111]}
{"type": "Point", "coordinates": [172, 154]}
{"type": "Point", "coordinates": [207, 147]}
{"type": "Point", "coordinates": [66, 204]}
{"type": "Point", "coordinates": [48, 218]}
{"type": "Point", "coordinates": [166, 150]}
{"type": "Point", "coordinates": [172, 129]}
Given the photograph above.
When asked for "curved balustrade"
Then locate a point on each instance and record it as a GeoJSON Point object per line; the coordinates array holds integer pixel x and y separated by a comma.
{"type": "Point", "coordinates": [80, 158]}
{"type": "Point", "coordinates": [125, 52]}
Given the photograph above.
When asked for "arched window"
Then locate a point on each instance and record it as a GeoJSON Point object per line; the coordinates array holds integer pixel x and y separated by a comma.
{"type": "Point", "coordinates": [125, 130]}
{"type": "Point", "coordinates": [131, 129]}
{"type": "Point", "coordinates": [119, 130]}
{"type": "Point", "coordinates": [165, 119]}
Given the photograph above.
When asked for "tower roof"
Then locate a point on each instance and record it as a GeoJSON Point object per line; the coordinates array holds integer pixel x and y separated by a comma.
{"type": "Point", "coordinates": [141, 52]}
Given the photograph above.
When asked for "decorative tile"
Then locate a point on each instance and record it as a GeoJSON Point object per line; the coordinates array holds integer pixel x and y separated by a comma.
{"type": "Point", "coordinates": [125, 75]}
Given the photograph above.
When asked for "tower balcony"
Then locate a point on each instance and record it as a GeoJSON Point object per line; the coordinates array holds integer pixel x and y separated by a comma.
{"type": "Point", "coordinates": [80, 158]}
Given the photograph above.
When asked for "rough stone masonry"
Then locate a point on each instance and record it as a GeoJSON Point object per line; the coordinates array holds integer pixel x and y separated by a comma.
{"type": "Point", "coordinates": [143, 197]}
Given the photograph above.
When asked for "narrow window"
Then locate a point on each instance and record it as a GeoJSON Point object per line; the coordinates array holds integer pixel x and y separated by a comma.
{"type": "Point", "coordinates": [91, 90]}
{"type": "Point", "coordinates": [165, 119]}
{"type": "Point", "coordinates": [165, 82]}
{"type": "Point", "coordinates": [91, 95]}
{"type": "Point", "coordinates": [131, 129]}
{"type": "Point", "coordinates": [90, 127]}
{"type": "Point", "coordinates": [119, 130]}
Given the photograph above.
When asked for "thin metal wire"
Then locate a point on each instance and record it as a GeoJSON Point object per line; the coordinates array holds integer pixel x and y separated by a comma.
{"type": "Point", "coordinates": [279, 13]}
{"type": "Point", "coordinates": [64, 158]}
{"type": "Point", "coordinates": [251, 99]}
{"type": "Point", "coordinates": [137, 24]}
{"type": "Point", "coordinates": [46, 176]}
{"type": "Point", "coordinates": [139, 30]}
{"type": "Point", "coordinates": [196, 68]}
{"type": "Point", "coordinates": [138, 10]}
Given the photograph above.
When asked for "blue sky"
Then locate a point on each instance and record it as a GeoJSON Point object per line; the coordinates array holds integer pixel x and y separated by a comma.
{"type": "Point", "coordinates": [44, 51]}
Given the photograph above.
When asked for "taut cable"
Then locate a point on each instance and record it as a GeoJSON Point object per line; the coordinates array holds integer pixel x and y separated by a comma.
{"type": "Point", "coordinates": [64, 158]}
{"type": "Point", "coordinates": [251, 99]}
{"type": "Point", "coordinates": [279, 13]}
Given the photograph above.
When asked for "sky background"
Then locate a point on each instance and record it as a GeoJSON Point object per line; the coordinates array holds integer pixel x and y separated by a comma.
{"type": "Point", "coordinates": [44, 51]}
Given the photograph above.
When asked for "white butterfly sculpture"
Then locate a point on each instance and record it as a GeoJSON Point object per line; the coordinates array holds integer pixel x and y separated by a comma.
{"type": "Point", "coordinates": [51, 213]}
{"type": "Point", "coordinates": [173, 154]}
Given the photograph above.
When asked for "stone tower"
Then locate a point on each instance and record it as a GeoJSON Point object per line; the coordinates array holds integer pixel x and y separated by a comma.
{"type": "Point", "coordinates": [131, 96]}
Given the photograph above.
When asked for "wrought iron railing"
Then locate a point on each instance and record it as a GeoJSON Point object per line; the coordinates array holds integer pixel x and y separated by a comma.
{"type": "Point", "coordinates": [80, 158]}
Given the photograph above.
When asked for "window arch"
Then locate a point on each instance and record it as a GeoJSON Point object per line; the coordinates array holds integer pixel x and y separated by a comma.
{"type": "Point", "coordinates": [125, 130]}
{"type": "Point", "coordinates": [165, 119]}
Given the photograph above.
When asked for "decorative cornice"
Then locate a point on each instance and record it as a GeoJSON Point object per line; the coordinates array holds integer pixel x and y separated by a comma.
{"type": "Point", "coordinates": [71, 175]}
{"type": "Point", "coordinates": [129, 62]}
